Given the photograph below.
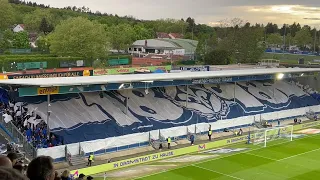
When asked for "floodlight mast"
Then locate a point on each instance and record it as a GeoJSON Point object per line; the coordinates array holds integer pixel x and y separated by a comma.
{"type": "Point", "coordinates": [315, 33]}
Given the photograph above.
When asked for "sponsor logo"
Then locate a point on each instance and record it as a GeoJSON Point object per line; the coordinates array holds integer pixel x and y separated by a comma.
{"type": "Point", "coordinates": [49, 90]}
{"type": "Point", "coordinates": [225, 150]}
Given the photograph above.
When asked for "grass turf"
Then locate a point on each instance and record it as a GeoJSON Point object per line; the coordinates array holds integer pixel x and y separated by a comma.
{"type": "Point", "coordinates": [296, 160]}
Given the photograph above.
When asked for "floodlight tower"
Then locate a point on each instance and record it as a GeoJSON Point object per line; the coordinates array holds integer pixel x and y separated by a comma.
{"type": "Point", "coordinates": [315, 33]}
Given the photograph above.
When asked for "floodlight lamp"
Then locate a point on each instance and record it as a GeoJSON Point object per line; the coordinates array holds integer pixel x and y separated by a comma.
{"type": "Point", "coordinates": [280, 76]}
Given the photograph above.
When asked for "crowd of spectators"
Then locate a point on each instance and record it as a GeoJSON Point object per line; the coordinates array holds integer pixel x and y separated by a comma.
{"type": "Point", "coordinates": [40, 168]}
{"type": "Point", "coordinates": [31, 125]}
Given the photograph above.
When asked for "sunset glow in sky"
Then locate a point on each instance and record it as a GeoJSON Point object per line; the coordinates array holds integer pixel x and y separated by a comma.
{"type": "Point", "coordinates": [205, 11]}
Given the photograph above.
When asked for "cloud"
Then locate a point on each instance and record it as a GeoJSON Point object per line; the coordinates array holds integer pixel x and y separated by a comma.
{"type": "Point", "coordinates": [286, 13]}
{"type": "Point", "coordinates": [205, 11]}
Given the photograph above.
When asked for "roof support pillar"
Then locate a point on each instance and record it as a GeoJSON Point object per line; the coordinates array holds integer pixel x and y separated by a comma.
{"type": "Point", "coordinates": [48, 114]}
{"type": "Point", "coordinates": [187, 98]}
{"type": "Point", "coordinates": [127, 102]}
{"type": "Point", "coordinates": [234, 91]}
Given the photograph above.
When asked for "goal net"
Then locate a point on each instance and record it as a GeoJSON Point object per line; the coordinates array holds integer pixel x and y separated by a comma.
{"type": "Point", "coordinates": [263, 136]}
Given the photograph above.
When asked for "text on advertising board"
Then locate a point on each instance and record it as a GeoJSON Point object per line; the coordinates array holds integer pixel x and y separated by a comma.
{"type": "Point", "coordinates": [193, 69]}
{"type": "Point", "coordinates": [51, 75]}
{"type": "Point", "coordinates": [143, 159]}
{"type": "Point", "coordinates": [213, 80]}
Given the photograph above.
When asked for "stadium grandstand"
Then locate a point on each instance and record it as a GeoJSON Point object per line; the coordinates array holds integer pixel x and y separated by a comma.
{"type": "Point", "coordinates": [76, 116]}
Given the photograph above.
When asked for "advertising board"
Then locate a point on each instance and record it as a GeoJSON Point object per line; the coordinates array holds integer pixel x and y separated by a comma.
{"type": "Point", "coordinates": [32, 65]}
{"type": "Point", "coordinates": [51, 74]}
{"type": "Point", "coordinates": [114, 71]}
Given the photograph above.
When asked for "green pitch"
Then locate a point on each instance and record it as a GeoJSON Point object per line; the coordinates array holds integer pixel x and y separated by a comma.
{"type": "Point", "coordinates": [296, 160]}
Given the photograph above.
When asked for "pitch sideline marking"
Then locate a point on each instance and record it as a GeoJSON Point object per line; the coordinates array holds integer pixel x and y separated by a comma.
{"type": "Point", "coordinates": [310, 136]}
{"type": "Point", "coordinates": [261, 156]}
{"type": "Point", "coordinates": [217, 172]}
{"type": "Point", "coordinates": [298, 154]}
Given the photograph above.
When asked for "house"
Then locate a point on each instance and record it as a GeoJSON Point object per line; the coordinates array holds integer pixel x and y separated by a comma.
{"type": "Point", "coordinates": [158, 51]}
{"type": "Point", "coordinates": [175, 36]}
{"type": "Point", "coordinates": [33, 37]}
{"type": "Point", "coordinates": [163, 35]}
{"type": "Point", "coordinates": [18, 28]}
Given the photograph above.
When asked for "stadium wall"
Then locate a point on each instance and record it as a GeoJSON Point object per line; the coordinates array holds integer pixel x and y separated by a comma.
{"type": "Point", "coordinates": [114, 144]}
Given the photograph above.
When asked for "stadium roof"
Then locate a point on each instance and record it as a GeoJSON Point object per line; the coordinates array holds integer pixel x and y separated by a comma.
{"type": "Point", "coordinates": [106, 79]}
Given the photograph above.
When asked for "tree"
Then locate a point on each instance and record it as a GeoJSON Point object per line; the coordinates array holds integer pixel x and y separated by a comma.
{"type": "Point", "coordinates": [217, 57]}
{"type": "Point", "coordinates": [21, 40]}
{"type": "Point", "coordinates": [274, 39]}
{"type": "Point", "coordinates": [6, 15]}
{"type": "Point", "coordinates": [34, 20]}
{"type": "Point", "coordinates": [249, 47]}
{"type": "Point", "coordinates": [43, 44]}
{"type": "Point", "coordinates": [79, 37]}
{"type": "Point", "coordinates": [243, 42]}
{"type": "Point", "coordinates": [142, 33]}
{"type": "Point", "coordinates": [45, 27]}
{"type": "Point", "coordinates": [121, 36]}
{"type": "Point", "coordinates": [303, 38]}
{"type": "Point", "coordinates": [6, 40]}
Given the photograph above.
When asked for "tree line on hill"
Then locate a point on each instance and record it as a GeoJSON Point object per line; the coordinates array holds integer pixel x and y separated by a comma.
{"type": "Point", "coordinates": [77, 31]}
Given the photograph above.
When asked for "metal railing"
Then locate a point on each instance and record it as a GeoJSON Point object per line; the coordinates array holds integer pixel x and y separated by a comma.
{"type": "Point", "coordinates": [15, 134]}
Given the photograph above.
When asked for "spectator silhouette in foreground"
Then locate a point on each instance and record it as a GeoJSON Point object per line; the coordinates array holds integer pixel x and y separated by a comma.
{"type": "Point", "coordinates": [10, 174]}
{"type": "Point", "coordinates": [56, 176]}
{"type": "Point", "coordinates": [41, 168]}
{"type": "Point", "coordinates": [65, 175]}
{"type": "Point", "coordinates": [13, 158]}
{"type": "Point", "coordinates": [5, 162]}
{"type": "Point", "coordinates": [81, 177]}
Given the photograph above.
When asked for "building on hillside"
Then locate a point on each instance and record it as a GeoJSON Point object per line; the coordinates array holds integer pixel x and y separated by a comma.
{"type": "Point", "coordinates": [33, 37]}
{"type": "Point", "coordinates": [163, 35]}
{"type": "Point", "coordinates": [151, 51]}
{"type": "Point", "coordinates": [18, 28]}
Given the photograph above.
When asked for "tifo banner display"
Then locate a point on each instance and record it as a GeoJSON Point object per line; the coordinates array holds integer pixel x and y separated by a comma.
{"type": "Point", "coordinates": [32, 65]}
{"type": "Point", "coordinates": [99, 72]}
{"type": "Point", "coordinates": [51, 75]}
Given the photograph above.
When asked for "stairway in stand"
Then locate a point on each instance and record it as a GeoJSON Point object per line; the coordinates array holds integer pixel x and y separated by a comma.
{"type": "Point", "coordinates": [77, 160]}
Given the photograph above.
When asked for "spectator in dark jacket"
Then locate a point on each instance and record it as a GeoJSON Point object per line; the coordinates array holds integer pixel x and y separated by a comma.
{"type": "Point", "coordinates": [41, 168]}
{"type": "Point", "coordinates": [10, 174]}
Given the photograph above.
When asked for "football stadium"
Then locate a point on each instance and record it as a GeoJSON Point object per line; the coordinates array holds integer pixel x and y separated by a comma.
{"type": "Point", "coordinates": [230, 122]}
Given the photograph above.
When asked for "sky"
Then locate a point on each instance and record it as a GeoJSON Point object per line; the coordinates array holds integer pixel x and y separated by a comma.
{"type": "Point", "coordinates": [206, 11]}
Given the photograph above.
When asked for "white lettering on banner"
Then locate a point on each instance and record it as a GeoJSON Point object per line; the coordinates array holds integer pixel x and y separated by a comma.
{"type": "Point", "coordinates": [234, 140]}
{"type": "Point", "coordinates": [143, 159]}
{"type": "Point", "coordinates": [212, 81]}
{"type": "Point", "coordinates": [193, 69]}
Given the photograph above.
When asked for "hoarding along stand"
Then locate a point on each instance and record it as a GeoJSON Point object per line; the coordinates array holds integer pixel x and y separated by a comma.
{"type": "Point", "coordinates": [173, 153]}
